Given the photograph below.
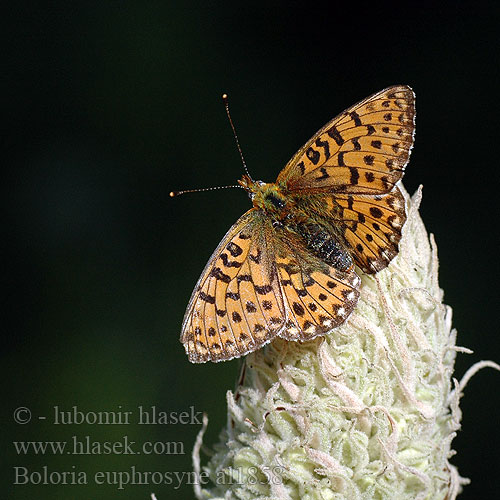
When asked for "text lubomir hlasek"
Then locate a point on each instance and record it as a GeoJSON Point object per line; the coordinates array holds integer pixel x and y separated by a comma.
{"type": "Point", "coordinates": [142, 415]}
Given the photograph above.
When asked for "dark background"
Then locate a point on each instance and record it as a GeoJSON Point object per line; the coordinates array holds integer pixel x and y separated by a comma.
{"type": "Point", "coordinates": [108, 106]}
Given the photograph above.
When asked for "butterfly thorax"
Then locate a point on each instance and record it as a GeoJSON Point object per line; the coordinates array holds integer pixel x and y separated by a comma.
{"type": "Point", "coordinates": [269, 197]}
{"type": "Point", "coordinates": [299, 222]}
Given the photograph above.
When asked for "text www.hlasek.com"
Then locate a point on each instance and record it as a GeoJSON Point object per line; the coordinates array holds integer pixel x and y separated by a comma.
{"type": "Point", "coordinates": [86, 446]}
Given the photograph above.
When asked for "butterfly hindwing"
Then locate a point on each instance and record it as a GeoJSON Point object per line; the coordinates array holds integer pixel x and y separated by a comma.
{"type": "Point", "coordinates": [363, 150]}
{"type": "Point", "coordinates": [317, 297]}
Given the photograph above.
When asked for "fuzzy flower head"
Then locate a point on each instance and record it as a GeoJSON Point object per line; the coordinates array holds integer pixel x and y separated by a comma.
{"type": "Point", "coordinates": [368, 411]}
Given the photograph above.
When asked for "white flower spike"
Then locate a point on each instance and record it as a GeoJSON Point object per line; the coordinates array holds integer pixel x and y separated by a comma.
{"type": "Point", "coordinates": [367, 411]}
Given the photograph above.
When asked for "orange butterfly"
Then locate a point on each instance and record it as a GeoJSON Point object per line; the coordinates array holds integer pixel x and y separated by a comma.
{"type": "Point", "coordinates": [286, 268]}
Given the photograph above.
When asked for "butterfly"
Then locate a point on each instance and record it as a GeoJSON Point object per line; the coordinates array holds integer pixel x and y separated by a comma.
{"type": "Point", "coordinates": [288, 267]}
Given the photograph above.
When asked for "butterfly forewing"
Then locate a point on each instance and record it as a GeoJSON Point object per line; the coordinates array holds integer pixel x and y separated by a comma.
{"type": "Point", "coordinates": [364, 150]}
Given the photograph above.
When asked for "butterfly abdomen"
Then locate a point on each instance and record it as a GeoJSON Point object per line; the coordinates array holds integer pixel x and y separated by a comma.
{"type": "Point", "coordinates": [324, 245]}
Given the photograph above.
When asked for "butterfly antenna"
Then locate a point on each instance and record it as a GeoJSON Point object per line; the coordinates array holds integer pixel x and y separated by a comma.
{"type": "Point", "coordinates": [178, 193]}
{"type": "Point", "coordinates": [226, 105]}
{"type": "Point", "coordinates": [225, 100]}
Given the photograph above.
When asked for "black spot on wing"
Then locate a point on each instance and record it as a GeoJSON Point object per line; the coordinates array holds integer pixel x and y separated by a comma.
{"type": "Point", "coordinates": [356, 118]}
{"type": "Point", "coordinates": [298, 309]}
{"type": "Point", "coordinates": [335, 135]}
{"type": "Point", "coordinates": [325, 146]}
{"type": "Point", "coordinates": [376, 212]}
{"type": "Point", "coordinates": [244, 277]}
{"type": "Point", "coordinates": [356, 144]}
{"type": "Point", "coordinates": [217, 273]}
{"type": "Point", "coordinates": [250, 307]}
{"type": "Point", "coordinates": [313, 155]}
{"type": "Point", "coordinates": [340, 159]}
{"type": "Point", "coordinates": [354, 175]}
{"type": "Point", "coordinates": [227, 262]}
{"type": "Point", "coordinates": [307, 324]}
{"type": "Point", "coordinates": [234, 249]}
{"type": "Point", "coordinates": [324, 176]}
{"type": "Point", "coordinates": [369, 159]}
{"type": "Point", "coordinates": [263, 290]}
{"type": "Point", "coordinates": [206, 297]}
{"type": "Point", "coordinates": [310, 281]}
{"type": "Point", "coordinates": [255, 258]}
{"type": "Point", "coordinates": [369, 176]}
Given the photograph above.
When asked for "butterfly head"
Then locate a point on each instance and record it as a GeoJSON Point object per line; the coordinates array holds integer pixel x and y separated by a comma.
{"type": "Point", "coordinates": [264, 196]}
